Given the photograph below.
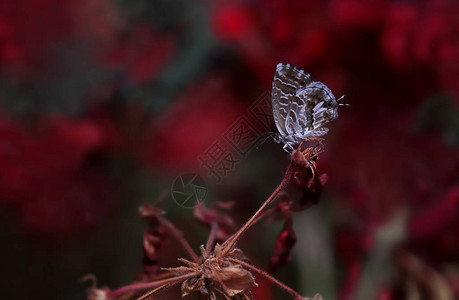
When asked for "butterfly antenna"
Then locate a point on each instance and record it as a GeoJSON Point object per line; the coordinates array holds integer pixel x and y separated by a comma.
{"type": "Point", "coordinates": [342, 104]}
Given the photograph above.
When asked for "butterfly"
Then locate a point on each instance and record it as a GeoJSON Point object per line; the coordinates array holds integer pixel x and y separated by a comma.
{"type": "Point", "coordinates": [301, 107]}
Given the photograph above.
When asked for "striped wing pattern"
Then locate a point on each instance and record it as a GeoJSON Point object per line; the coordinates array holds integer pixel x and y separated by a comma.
{"type": "Point", "coordinates": [301, 107]}
{"type": "Point", "coordinates": [287, 80]}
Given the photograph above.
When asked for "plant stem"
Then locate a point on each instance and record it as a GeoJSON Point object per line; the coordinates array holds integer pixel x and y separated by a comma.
{"type": "Point", "coordinates": [211, 238]}
{"type": "Point", "coordinates": [269, 277]}
{"type": "Point", "coordinates": [154, 291]}
{"type": "Point", "coordinates": [179, 237]}
{"type": "Point", "coordinates": [229, 244]}
{"type": "Point", "coordinates": [163, 276]}
{"type": "Point", "coordinates": [143, 286]}
{"type": "Point", "coordinates": [264, 214]}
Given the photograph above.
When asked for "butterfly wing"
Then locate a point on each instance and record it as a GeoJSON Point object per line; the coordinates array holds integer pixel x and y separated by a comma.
{"type": "Point", "coordinates": [312, 107]}
{"type": "Point", "coordinates": [287, 80]}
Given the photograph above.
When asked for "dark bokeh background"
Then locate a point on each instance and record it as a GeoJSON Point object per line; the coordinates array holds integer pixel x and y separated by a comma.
{"type": "Point", "coordinates": [105, 102]}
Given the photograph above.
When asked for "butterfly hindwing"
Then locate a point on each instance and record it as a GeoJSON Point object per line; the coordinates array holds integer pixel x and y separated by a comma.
{"type": "Point", "coordinates": [319, 107]}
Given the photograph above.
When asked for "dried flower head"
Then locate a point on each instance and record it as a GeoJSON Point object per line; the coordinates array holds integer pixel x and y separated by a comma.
{"type": "Point", "coordinates": [221, 271]}
{"type": "Point", "coordinates": [217, 275]}
{"type": "Point", "coordinates": [307, 158]}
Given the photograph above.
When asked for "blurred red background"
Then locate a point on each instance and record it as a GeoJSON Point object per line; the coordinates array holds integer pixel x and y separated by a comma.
{"type": "Point", "coordinates": [103, 103]}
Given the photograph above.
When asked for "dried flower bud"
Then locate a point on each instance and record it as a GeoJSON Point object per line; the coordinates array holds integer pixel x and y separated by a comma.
{"type": "Point", "coordinates": [283, 246]}
{"type": "Point", "coordinates": [306, 159]}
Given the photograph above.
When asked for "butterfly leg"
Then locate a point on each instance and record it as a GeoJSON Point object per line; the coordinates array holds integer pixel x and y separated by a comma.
{"type": "Point", "coordinates": [313, 167]}
{"type": "Point", "coordinates": [288, 148]}
{"type": "Point", "coordinates": [285, 148]}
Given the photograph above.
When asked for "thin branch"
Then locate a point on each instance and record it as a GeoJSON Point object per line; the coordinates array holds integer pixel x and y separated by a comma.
{"type": "Point", "coordinates": [162, 276]}
{"type": "Point", "coordinates": [211, 239]}
{"type": "Point", "coordinates": [229, 243]}
{"type": "Point", "coordinates": [269, 277]}
{"type": "Point", "coordinates": [178, 235]}
{"type": "Point", "coordinates": [264, 214]}
{"type": "Point", "coordinates": [144, 286]}
{"type": "Point", "coordinates": [145, 296]}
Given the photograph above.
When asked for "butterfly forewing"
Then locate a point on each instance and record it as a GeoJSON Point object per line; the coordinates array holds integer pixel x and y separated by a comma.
{"type": "Point", "coordinates": [301, 107]}
{"type": "Point", "coordinates": [287, 80]}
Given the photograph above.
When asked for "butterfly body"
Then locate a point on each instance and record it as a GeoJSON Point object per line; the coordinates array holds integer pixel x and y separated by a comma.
{"type": "Point", "coordinates": [301, 106]}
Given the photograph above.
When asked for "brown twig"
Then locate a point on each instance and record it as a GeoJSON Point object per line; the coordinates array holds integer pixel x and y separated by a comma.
{"type": "Point", "coordinates": [144, 286]}
{"type": "Point", "coordinates": [230, 242]}
{"type": "Point", "coordinates": [211, 239]}
{"type": "Point", "coordinates": [145, 296]}
{"type": "Point", "coordinates": [269, 277]}
{"type": "Point", "coordinates": [179, 237]}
